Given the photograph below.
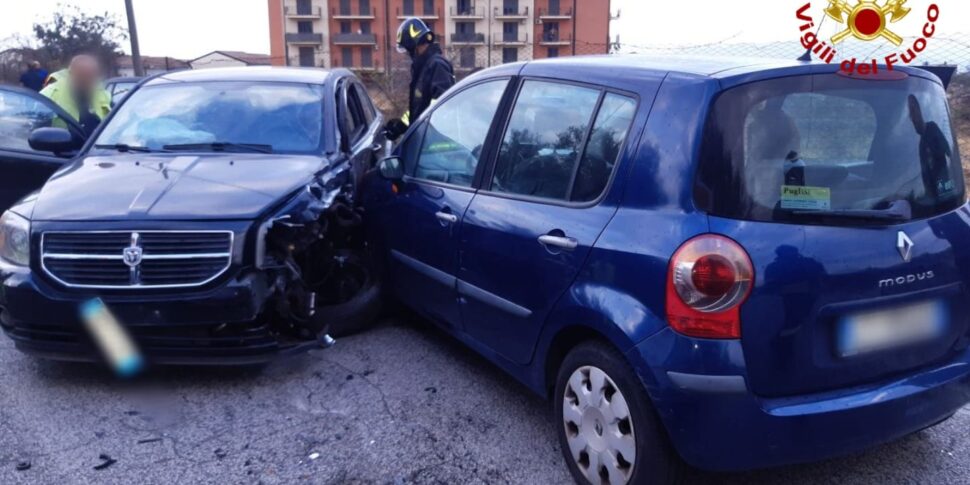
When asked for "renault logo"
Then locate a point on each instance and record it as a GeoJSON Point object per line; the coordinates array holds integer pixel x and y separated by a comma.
{"type": "Point", "coordinates": [905, 246]}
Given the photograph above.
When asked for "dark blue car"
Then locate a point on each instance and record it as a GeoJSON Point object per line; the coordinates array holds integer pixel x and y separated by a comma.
{"type": "Point", "coordinates": [729, 264]}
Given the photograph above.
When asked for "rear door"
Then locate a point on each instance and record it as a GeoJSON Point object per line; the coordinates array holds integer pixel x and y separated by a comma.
{"type": "Point", "coordinates": [849, 197]}
{"type": "Point", "coordinates": [441, 158]}
{"type": "Point", "coordinates": [22, 169]}
{"type": "Point", "coordinates": [524, 239]}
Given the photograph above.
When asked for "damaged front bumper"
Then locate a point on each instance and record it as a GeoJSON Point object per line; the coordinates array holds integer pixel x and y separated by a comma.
{"type": "Point", "coordinates": [224, 325]}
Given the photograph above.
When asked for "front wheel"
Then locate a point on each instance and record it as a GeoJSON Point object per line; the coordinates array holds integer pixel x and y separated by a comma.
{"type": "Point", "coordinates": [608, 430]}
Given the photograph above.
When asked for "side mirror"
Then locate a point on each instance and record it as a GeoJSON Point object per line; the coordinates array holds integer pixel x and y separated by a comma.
{"type": "Point", "coordinates": [54, 140]}
{"type": "Point", "coordinates": [391, 169]}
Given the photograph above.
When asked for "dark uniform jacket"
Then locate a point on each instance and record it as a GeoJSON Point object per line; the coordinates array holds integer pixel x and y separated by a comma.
{"type": "Point", "coordinates": [431, 76]}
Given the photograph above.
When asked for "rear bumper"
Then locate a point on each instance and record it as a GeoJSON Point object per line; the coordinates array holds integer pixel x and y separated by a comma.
{"type": "Point", "coordinates": [716, 426]}
{"type": "Point", "coordinates": [218, 326]}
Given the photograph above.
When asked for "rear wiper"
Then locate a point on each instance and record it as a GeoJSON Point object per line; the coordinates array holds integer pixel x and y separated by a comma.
{"type": "Point", "coordinates": [899, 210]}
{"type": "Point", "coordinates": [125, 148]}
{"type": "Point", "coordinates": [222, 147]}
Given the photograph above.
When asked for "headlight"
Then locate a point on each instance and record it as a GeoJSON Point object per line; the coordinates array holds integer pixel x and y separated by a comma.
{"type": "Point", "coordinates": [14, 239]}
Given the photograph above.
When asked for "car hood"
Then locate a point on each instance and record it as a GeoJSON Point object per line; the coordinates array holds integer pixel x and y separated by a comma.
{"type": "Point", "coordinates": [167, 187]}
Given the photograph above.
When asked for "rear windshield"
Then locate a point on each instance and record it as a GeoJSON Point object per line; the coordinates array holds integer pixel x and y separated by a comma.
{"type": "Point", "coordinates": [827, 149]}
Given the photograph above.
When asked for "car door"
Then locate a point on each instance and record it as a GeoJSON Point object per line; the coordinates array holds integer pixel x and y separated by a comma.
{"type": "Point", "coordinates": [360, 127]}
{"type": "Point", "coordinates": [23, 169]}
{"type": "Point", "coordinates": [524, 239]}
{"type": "Point", "coordinates": [441, 157]}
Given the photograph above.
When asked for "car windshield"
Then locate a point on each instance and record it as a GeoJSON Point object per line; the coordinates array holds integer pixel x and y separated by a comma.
{"type": "Point", "coordinates": [282, 117]}
{"type": "Point", "coordinates": [828, 149]}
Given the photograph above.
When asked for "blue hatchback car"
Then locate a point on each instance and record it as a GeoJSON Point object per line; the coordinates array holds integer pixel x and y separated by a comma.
{"type": "Point", "coordinates": [728, 264]}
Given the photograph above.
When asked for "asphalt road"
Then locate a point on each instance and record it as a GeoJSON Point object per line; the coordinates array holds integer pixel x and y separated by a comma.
{"type": "Point", "coordinates": [400, 404]}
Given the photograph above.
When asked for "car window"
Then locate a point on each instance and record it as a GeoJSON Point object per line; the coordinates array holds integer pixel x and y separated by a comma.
{"type": "Point", "coordinates": [367, 107]}
{"type": "Point", "coordinates": [20, 114]}
{"type": "Point", "coordinates": [603, 149]}
{"type": "Point", "coordinates": [456, 133]}
{"type": "Point", "coordinates": [817, 149]}
{"type": "Point", "coordinates": [543, 142]}
{"type": "Point", "coordinates": [285, 116]}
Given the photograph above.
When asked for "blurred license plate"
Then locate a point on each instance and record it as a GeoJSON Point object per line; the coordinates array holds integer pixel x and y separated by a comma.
{"type": "Point", "coordinates": [112, 338]}
{"type": "Point", "coordinates": [886, 329]}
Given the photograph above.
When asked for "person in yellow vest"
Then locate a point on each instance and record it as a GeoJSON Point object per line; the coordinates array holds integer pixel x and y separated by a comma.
{"type": "Point", "coordinates": [80, 94]}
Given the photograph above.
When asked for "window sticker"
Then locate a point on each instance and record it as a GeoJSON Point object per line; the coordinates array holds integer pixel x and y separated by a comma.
{"type": "Point", "coordinates": [806, 198]}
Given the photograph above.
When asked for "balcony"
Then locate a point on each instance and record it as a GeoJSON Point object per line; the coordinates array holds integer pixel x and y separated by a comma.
{"type": "Point", "coordinates": [555, 38]}
{"type": "Point", "coordinates": [510, 40]}
{"type": "Point", "coordinates": [423, 16]}
{"type": "Point", "coordinates": [351, 14]}
{"type": "Point", "coordinates": [302, 38]}
{"type": "Point", "coordinates": [467, 13]}
{"type": "Point", "coordinates": [558, 14]}
{"type": "Point", "coordinates": [354, 39]}
{"type": "Point", "coordinates": [295, 13]}
{"type": "Point", "coordinates": [467, 39]}
{"type": "Point", "coordinates": [511, 13]}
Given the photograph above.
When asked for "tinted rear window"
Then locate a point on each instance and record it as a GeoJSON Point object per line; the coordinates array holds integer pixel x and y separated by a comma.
{"type": "Point", "coordinates": [826, 149]}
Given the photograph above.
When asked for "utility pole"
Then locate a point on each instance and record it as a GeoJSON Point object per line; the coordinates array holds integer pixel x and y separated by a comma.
{"type": "Point", "coordinates": [133, 35]}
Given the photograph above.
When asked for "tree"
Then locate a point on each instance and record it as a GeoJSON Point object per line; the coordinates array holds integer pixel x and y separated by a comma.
{"type": "Point", "coordinates": [71, 32]}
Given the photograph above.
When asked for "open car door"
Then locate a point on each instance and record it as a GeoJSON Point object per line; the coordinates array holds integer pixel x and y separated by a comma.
{"type": "Point", "coordinates": [23, 169]}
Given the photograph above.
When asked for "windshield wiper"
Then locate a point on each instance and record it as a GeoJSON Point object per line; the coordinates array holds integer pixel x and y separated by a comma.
{"type": "Point", "coordinates": [222, 147]}
{"type": "Point", "coordinates": [125, 148]}
{"type": "Point", "coordinates": [899, 210]}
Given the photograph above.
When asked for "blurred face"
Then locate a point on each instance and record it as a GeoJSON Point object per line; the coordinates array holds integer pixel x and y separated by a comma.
{"type": "Point", "coordinates": [85, 73]}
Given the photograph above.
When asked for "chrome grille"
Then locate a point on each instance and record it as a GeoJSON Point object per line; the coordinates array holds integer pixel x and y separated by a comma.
{"type": "Point", "coordinates": [136, 259]}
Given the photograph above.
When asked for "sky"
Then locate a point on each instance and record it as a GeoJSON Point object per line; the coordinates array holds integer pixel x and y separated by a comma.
{"type": "Point", "coordinates": [190, 28]}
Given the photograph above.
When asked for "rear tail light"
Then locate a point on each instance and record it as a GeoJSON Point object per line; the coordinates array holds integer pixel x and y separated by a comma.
{"type": "Point", "coordinates": [709, 278]}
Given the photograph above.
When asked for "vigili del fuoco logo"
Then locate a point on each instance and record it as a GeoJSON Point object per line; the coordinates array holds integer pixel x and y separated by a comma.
{"type": "Point", "coordinates": [866, 20]}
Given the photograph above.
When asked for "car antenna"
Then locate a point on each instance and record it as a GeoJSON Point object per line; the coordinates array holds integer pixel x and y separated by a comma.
{"type": "Point", "coordinates": [807, 56]}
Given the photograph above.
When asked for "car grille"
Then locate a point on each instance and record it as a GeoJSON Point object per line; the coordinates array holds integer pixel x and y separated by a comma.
{"type": "Point", "coordinates": [136, 259]}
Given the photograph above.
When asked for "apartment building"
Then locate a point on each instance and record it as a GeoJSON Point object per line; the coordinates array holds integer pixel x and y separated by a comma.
{"type": "Point", "coordinates": [360, 34]}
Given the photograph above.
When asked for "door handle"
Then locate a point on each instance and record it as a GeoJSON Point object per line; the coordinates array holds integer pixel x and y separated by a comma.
{"type": "Point", "coordinates": [561, 242]}
{"type": "Point", "coordinates": [446, 217]}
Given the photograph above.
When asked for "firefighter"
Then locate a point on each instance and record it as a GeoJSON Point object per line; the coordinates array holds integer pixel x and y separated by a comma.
{"type": "Point", "coordinates": [431, 73]}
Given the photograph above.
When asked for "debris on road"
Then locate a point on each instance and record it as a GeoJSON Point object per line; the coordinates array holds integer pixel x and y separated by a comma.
{"type": "Point", "coordinates": [149, 440]}
{"type": "Point", "coordinates": [221, 453]}
{"type": "Point", "coordinates": [314, 455]}
{"type": "Point", "coordinates": [23, 466]}
{"type": "Point", "coordinates": [106, 461]}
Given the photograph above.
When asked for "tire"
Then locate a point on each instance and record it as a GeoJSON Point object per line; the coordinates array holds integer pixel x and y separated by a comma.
{"type": "Point", "coordinates": [356, 315]}
{"type": "Point", "coordinates": [596, 445]}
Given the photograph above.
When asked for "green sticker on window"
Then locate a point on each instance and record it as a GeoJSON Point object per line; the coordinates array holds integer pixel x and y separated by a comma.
{"type": "Point", "coordinates": [806, 198]}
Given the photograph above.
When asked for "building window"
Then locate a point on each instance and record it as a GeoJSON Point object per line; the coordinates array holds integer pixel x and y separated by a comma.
{"type": "Point", "coordinates": [553, 52]}
{"type": "Point", "coordinates": [346, 27]}
{"type": "Point", "coordinates": [510, 54]}
{"type": "Point", "coordinates": [465, 27]}
{"type": "Point", "coordinates": [409, 8]}
{"type": "Point", "coordinates": [366, 57]}
{"type": "Point", "coordinates": [344, 7]}
{"type": "Point", "coordinates": [304, 27]}
{"type": "Point", "coordinates": [365, 27]}
{"type": "Point", "coordinates": [348, 56]}
{"type": "Point", "coordinates": [364, 7]}
{"type": "Point", "coordinates": [429, 7]}
{"type": "Point", "coordinates": [554, 7]}
{"type": "Point", "coordinates": [467, 57]}
{"type": "Point", "coordinates": [511, 7]}
{"type": "Point", "coordinates": [307, 57]}
{"type": "Point", "coordinates": [465, 7]}
{"type": "Point", "coordinates": [304, 7]}
{"type": "Point", "coordinates": [510, 31]}
{"type": "Point", "coordinates": [550, 31]}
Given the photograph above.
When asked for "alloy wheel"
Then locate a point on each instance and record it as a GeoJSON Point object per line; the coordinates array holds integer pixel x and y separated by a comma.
{"type": "Point", "coordinates": [599, 427]}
